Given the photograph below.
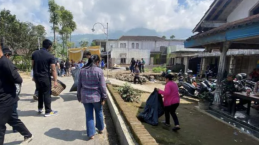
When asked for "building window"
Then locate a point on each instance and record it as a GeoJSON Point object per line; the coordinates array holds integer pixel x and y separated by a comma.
{"type": "Point", "coordinates": [137, 45]}
{"type": "Point", "coordinates": [122, 45]}
{"type": "Point", "coordinates": [123, 60]}
{"type": "Point", "coordinates": [132, 45]}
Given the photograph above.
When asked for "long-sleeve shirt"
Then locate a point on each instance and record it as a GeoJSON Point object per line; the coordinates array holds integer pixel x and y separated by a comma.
{"type": "Point", "coordinates": [8, 78]}
{"type": "Point", "coordinates": [171, 95]}
{"type": "Point", "coordinates": [91, 86]}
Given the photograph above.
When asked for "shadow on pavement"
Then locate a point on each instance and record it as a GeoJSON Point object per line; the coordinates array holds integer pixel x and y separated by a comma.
{"type": "Point", "coordinates": [29, 113]}
{"type": "Point", "coordinates": [69, 97]}
{"type": "Point", "coordinates": [25, 95]}
{"type": "Point", "coordinates": [66, 135]}
{"type": "Point", "coordinates": [13, 143]}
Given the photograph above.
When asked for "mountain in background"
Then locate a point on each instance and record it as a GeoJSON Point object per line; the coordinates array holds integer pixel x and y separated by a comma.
{"type": "Point", "coordinates": [178, 33]}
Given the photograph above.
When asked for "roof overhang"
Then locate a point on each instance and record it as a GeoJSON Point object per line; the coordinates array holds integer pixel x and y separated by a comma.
{"type": "Point", "coordinates": [243, 32]}
{"type": "Point", "coordinates": [233, 52]}
{"type": "Point", "coordinates": [216, 15]}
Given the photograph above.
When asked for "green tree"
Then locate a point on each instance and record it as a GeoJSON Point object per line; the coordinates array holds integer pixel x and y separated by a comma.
{"type": "Point", "coordinates": [67, 25]}
{"type": "Point", "coordinates": [93, 43]}
{"type": "Point", "coordinates": [164, 37]}
{"type": "Point", "coordinates": [172, 37]}
{"type": "Point", "coordinates": [55, 13]}
{"type": "Point", "coordinates": [83, 43]}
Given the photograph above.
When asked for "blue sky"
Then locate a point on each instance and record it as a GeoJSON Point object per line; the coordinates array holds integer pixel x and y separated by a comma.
{"type": "Point", "coordinates": [159, 15]}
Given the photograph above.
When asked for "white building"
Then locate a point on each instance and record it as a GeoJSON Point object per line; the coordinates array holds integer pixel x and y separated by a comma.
{"type": "Point", "coordinates": [125, 48]}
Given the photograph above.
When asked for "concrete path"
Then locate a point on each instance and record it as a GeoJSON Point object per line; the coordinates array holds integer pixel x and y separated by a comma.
{"type": "Point", "coordinates": [147, 87]}
{"type": "Point", "coordinates": [67, 128]}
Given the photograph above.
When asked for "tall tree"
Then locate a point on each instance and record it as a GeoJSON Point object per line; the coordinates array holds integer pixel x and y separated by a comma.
{"type": "Point", "coordinates": [55, 13]}
{"type": "Point", "coordinates": [172, 37]}
{"type": "Point", "coordinates": [164, 37]}
{"type": "Point", "coordinates": [67, 25]}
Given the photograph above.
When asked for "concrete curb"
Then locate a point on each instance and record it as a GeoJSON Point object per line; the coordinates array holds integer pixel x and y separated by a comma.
{"type": "Point", "coordinates": [206, 113]}
{"type": "Point", "coordinates": [123, 132]}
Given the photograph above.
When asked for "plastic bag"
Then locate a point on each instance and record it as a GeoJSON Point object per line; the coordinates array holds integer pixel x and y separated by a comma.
{"type": "Point", "coordinates": [75, 74]}
{"type": "Point", "coordinates": [153, 110]}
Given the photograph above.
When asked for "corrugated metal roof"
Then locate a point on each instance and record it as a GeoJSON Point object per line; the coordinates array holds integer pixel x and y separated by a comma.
{"type": "Point", "coordinates": [232, 52]}
{"type": "Point", "coordinates": [231, 25]}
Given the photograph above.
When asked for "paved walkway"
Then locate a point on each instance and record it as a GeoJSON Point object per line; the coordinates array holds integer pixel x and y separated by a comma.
{"type": "Point", "coordinates": [67, 128]}
{"type": "Point", "coordinates": [147, 87]}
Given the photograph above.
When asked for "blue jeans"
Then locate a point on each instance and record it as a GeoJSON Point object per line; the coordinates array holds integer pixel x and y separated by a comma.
{"type": "Point", "coordinates": [89, 108]}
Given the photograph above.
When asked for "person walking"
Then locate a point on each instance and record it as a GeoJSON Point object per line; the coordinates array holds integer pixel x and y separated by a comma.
{"type": "Point", "coordinates": [132, 65]}
{"type": "Point", "coordinates": [171, 101]}
{"type": "Point", "coordinates": [43, 62]}
{"type": "Point", "coordinates": [91, 91]}
{"type": "Point", "coordinates": [143, 65]}
{"type": "Point", "coordinates": [8, 100]}
{"type": "Point", "coordinates": [62, 68]}
{"type": "Point", "coordinates": [35, 95]}
{"type": "Point", "coordinates": [137, 72]}
{"type": "Point", "coordinates": [67, 68]}
{"type": "Point", "coordinates": [102, 64]}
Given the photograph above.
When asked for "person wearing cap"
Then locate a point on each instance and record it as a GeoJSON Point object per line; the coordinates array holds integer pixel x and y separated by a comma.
{"type": "Point", "coordinates": [42, 62]}
{"type": "Point", "coordinates": [9, 76]}
{"type": "Point", "coordinates": [8, 53]}
{"type": "Point", "coordinates": [171, 101]}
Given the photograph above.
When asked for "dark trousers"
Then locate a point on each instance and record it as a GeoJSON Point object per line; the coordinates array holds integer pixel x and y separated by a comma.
{"type": "Point", "coordinates": [137, 78]}
{"type": "Point", "coordinates": [171, 110]}
{"type": "Point", "coordinates": [143, 68]}
{"type": "Point", "coordinates": [8, 115]}
{"type": "Point", "coordinates": [140, 68]}
{"type": "Point", "coordinates": [43, 86]}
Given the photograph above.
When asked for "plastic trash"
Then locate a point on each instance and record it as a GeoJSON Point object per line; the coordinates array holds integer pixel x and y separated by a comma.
{"type": "Point", "coordinates": [153, 110]}
{"type": "Point", "coordinates": [75, 74]}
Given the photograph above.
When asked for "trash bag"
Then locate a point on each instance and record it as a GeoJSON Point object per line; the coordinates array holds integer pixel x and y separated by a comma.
{"type": "Point", "coordinates": [153, 110]}
{"type": "Point", "coordinates": [75, 74]}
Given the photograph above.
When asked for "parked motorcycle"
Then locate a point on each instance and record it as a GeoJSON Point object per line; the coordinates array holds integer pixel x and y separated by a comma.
{"type": "Point", "coordinates": [187, 89]}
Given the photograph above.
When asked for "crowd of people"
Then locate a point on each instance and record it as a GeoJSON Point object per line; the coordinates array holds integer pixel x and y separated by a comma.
{"type": "Point", "coordinates": [137, 67]}
{"type": "Point", "coordinates": [45, 68]}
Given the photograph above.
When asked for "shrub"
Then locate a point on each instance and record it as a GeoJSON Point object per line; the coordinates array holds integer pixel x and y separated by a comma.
{"type": "Point", "coordinates": [159, 69]}
{"type": "Point", "coordinates": [128, 94]}
{"type": "Point", "coordinates": [205, 97]}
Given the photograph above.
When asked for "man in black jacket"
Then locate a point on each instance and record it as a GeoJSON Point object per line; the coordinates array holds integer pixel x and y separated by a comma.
{"type": "Point", "coordinates": [43, 62]}
{"type": "Point", "coordinates": [8, 98]}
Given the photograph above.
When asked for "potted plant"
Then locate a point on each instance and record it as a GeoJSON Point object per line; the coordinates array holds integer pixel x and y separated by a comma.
{"type": "Point", "coordinates": [205, 100]}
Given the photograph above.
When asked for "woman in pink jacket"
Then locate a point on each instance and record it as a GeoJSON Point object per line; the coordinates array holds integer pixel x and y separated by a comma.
{"type": "Point", "coordinates": [171, 101]}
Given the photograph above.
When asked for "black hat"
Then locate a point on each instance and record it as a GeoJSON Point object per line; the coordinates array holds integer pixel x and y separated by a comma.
{"type": "Point", "coordinates": [6, 51]}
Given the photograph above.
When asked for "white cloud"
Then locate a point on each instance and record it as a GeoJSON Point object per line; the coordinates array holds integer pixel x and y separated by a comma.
{"type": "Point", "coordinates": [160, 15]}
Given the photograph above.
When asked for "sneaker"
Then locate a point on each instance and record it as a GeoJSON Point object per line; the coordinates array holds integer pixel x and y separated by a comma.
{"type": "Point", "coordinates": [176, 128]}
{"type": "Point", "coordinates": [40, 111]}
{"type": "Point", "coordinates": [52, 113]}
{"type": "Point", "coordinates": [26, 140]}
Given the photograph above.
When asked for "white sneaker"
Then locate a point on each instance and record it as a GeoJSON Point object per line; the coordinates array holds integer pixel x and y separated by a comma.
{"type": "Point", "coordinates": [27, 140]}
{"type": "Point", "coordinates": [52, 113]}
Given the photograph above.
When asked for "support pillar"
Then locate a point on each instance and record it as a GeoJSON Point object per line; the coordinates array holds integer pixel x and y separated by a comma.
{"type": "Point", "coordinates": [203, 66]}
{"type": "Point", "coordinates": [232, 65]}
{"type": "Point", "coordinates": [186, 62]}
{"type": "Point", "coordinates": [221, 69]}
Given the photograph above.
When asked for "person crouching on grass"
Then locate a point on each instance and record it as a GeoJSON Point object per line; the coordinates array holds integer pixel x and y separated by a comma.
{"type": "Point", "coordinates": [171, 101]}
{"type": "Point", "coordinates": [137, 72]}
